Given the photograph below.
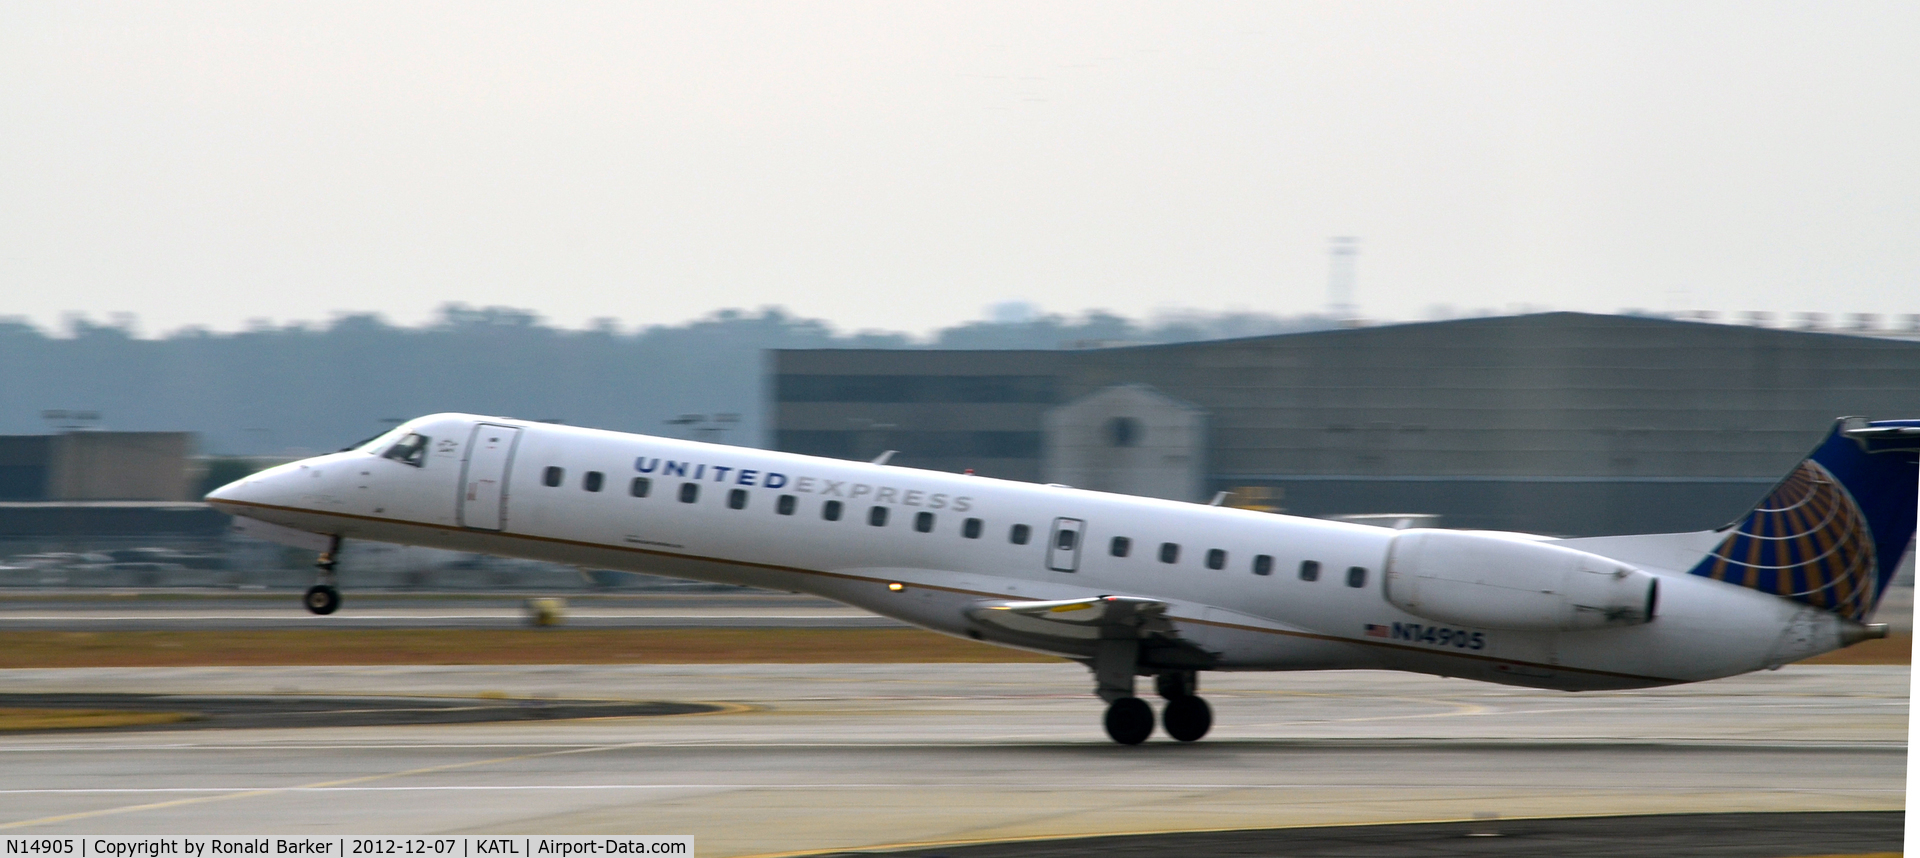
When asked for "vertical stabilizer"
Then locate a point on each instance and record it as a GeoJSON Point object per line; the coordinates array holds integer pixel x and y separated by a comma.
{"type": "Point", "coordinates": [1831, 534]}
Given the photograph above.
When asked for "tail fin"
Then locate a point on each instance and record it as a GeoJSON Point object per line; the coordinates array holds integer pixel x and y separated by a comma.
{"type": "Point", "coordinates": [1831, 534]}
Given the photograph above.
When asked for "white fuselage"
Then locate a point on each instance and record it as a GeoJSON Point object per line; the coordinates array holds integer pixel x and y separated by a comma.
{"type": "Point", "coordinates": [481, 485]}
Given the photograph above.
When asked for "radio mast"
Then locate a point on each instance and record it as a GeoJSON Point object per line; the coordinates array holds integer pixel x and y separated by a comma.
{"type": "Point", "coordinates": [1343, 251]}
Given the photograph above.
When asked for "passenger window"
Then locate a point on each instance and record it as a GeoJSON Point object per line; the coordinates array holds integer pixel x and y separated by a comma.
{"type": "Point", "coordinates": [830, 510]}
{"type": "Point", "coordinates": [1356, 576]}
{"type": "Point", "coordinates": [1119, 546]}
{"type": "Point", "coordinates": [639, 487]}
{"type": "Point", "coordinates": [737, 499]}
{"type": "Point", "coordinates": [689, 492]}
{"type": "Point", "coordinates": [1019, 534]}
{"type": "Point", "coordinates": [785, 505]}
{"type": "Point", "coordinates": [877, 516]}
{"type": "Point", "coordinates": [971, 528]}
{"type": "Point", "coordinates": [1309, 570]}
{"type": "Point", "coordinates": [1216, 559]}
{"type": "Point", "coordinates": [593, 481]}
{"type": "Point", "coordinates": [923, 522]}
{"type": "Point", "coordinates": [1263, 564]}
{"type": "Point", "coordinates": [1169, 552]}
{"type": "Point", "coordinates": [553, 477]}
{"type": "Point", "coordinates": [1063, 540]}
{"type": "Point", "coordinates": [411, 450]}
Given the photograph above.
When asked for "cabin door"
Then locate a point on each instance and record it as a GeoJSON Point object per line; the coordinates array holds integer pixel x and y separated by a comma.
{"type": "Point", "coordinates": [483, 476]}
{"type": "Point", "coordinates": [1063, 547]}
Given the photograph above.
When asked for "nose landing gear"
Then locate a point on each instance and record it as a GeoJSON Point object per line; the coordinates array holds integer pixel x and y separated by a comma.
{"type": "Point", "coordinates": [323, 597]}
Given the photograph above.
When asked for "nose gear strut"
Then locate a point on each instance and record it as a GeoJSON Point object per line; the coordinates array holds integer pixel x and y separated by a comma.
{"type": "Point", "coordinates": [323, 597]}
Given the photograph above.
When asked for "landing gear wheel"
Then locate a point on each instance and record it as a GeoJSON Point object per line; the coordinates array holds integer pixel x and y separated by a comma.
{"type": "Point", "coordinates": [1187, 718]}
{"type": "Point", "coordinates": [322, 599]}
{"type": "Point", "coordinates": [1129, 720]}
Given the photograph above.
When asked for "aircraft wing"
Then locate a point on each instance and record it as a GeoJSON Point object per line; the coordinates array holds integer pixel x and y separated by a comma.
{"type": "Point", "coordinates": [1077, 619]}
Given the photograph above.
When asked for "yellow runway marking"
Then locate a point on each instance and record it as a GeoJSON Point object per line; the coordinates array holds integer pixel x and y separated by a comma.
{"type": "Point", "coordinates": [80, 719]}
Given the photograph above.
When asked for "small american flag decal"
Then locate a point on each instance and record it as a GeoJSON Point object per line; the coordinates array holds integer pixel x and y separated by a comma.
{"type": "Point", "coordinates": [1375, 630]}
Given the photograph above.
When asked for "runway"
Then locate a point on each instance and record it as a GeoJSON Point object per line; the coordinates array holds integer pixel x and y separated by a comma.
{"type": "Point", "coordinates": [825, 757]}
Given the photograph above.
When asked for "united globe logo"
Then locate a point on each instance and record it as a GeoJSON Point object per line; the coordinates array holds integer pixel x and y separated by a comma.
{"type": "Point", "coordinates": [1807, 541]}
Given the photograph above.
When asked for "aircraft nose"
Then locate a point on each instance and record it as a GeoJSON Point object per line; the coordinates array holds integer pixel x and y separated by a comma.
{"type": "Point", "coordinates": [251, 490]}
{"type": "Point", "coordinates": [229, 493]}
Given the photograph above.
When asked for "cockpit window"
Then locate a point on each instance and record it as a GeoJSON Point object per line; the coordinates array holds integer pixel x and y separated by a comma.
{"type": "Point", "coordinates": [411, 450]}
{"type": "Point", "coordinates": [374, 444]}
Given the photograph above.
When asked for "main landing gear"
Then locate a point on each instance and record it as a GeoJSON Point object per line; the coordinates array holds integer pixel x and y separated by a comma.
{"type": "Point", "coordinates": [1187, 716]}
{"type": "Point", "coordinates": [323, 597]}
{"type": "Point", "coordinates": [1129, 721]}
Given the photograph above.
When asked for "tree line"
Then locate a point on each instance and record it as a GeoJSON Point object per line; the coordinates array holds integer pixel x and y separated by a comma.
{"type": "Point", "coordinates": [305, 388]}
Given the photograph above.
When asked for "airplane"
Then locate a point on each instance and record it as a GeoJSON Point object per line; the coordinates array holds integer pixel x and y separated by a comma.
{"type": "Point", "coordinates": [1130, 586]}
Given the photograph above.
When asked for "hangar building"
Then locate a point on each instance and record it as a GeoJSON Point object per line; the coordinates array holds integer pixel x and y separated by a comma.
{"type": "Point", "coordinates": [1561, 423]}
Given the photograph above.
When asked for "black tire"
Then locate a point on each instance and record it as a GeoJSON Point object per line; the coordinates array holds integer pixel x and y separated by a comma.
{"type": "Point", "coordinates": [1129, 720]}
{"type": "Point", "coordinates": [322, 599]}
{"type": "Point", "coordinates": [1187, 718]}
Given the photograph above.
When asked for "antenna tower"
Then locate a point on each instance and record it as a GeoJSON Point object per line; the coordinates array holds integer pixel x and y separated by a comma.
{"type": "Point", "coordinates": [1343, 252]}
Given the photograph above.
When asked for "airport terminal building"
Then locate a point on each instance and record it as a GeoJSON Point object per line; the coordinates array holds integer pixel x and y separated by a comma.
{"type": "Point", "coordinates": [1561, 423]}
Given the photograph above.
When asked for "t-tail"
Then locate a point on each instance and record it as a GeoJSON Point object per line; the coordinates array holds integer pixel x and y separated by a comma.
{"type": "Point", "coordinates": [1831, 534]}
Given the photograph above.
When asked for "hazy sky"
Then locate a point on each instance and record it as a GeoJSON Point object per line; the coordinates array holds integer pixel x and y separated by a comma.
{"type": "Point", "coordinates": [903, 165]}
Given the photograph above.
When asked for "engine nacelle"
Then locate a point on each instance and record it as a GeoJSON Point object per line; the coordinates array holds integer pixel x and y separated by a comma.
{"type": "Point", "coordinates": [1471, 579]}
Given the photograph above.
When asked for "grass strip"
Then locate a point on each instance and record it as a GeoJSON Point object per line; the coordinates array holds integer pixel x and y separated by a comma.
{"type": "Point", "coordinates": [1892, 649]}
{"type": "Point", "coordinates": [570, 646]}
{"type": "Point", "coordinates": [78, 719]}
{"type": "Point", "coordinates": [492, 646]}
